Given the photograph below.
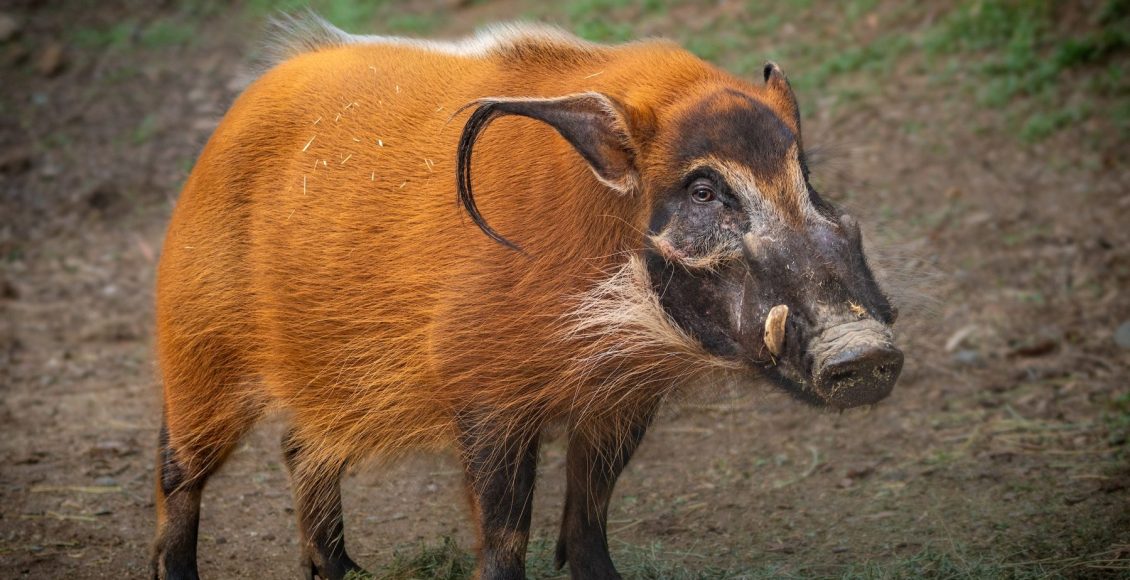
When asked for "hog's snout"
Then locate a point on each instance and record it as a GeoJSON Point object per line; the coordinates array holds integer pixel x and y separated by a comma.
{"type": "Point", "coordinates": [859, 376]}
{"type": "Point", "coordinates": [855, 364]}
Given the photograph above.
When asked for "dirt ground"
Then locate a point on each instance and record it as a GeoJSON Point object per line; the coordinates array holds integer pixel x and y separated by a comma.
{"type": "Point", "coordinates": [1003, 450]}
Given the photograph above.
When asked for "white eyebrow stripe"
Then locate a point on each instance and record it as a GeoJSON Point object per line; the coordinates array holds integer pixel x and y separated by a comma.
{"type": "Point", "coordinates": [747, 187]}
{"type": "Point", "coordinates": [736, 176]}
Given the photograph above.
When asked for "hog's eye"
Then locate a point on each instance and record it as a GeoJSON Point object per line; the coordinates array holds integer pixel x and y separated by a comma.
{"type": "Point", "coordinates": [702, 191]}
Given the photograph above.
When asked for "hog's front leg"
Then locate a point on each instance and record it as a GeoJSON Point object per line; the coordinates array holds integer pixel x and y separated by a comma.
{"type": "Point", "coordinates": [500, 467]}
{"type": "Point", "coordinates": [597, 455]}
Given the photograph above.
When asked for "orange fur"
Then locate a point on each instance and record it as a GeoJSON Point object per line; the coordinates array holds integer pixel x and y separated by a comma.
{"type": "Point", "coordinates": [317, 262]}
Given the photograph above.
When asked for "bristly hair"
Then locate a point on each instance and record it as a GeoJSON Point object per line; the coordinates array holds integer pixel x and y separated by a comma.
{"type": "Point", "coordinates": [291, 34]}
{"type": "Point", "coordinates": [631, 354]}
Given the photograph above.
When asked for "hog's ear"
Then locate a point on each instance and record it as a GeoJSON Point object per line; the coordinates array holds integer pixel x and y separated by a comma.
{"type": "Point", "coordinates": [593, 123]}
{"type": "Point", "coordinates": [781, 92]}
{"type": "Point", "coordinates": [597, 126]}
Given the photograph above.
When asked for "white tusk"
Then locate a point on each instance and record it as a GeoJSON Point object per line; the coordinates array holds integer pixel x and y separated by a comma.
{"type": "Point", "coordinates": [775, 328]}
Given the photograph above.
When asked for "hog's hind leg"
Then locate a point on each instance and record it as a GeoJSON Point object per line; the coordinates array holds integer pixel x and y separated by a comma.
{"type": "Point", "coordinates": [182, 471]}
{"type": "Point", "coordinates": [317, 503]}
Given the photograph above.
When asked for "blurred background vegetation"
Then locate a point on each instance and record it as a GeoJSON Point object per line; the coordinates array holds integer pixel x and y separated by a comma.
{"type": "Point", "coordinates": [1040, 64]}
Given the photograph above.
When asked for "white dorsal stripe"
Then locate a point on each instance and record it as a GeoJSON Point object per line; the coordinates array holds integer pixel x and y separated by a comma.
{"type": "Point", "coordinates": [291, 35]}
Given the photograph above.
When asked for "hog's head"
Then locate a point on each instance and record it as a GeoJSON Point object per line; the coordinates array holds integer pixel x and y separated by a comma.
{"type": "Point", "coordinates": [742, 251]}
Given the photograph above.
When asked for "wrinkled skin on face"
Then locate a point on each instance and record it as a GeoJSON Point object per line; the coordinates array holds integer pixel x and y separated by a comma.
{"type": "Point", "coordinates": [736, 229]}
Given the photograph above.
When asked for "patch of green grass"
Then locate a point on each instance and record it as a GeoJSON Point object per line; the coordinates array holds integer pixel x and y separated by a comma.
{"type": "Point", "coordinates": [855, 9]}
{"type": "Point", "coordinates": [939, 458]}
{"type": "Point", "coordinates": [116, 36]}
{"type": "Point", "coordinates": [57, 140]}
{"type": "Point", "coordinates": [416, 24]}
{"type": "Point", "coordinates": [1112, 36]}
{"type": "Point", "coordinates": [987, 25]}
{"type": "Point", "coordinates": [1117, 419]}
{"type": "Point", "coordinates": [878, 56]}
{"type": "Point", "coordinates": [764, 24]}
{"type": "Point", "coordinates": [356, 16]}
{"type": "Point", "coordinates": [185, 164]}
{"type": "Point", "coordinates": [603, 31]}
{"type": "Point", "coordinates": [596, 8]}
{"type": "Point", "coordinates": [927, 564]}
{"type": "Point", "coordinates": [1034, 297]}
{"type": "Point", "coordinates": [120, 74]}
{"type": "Point", "coordinates": [144, 130]}
{"type": "Point", "coordinates": [592, 19]}
{"type": "Point", "coordinates": [1043, 123]}
{"type": "Point", "coordinates": [448, 561]}
{"type": "Point", "coordinates": [350, 15]}
{"type": "Point", "coordinates": [1113, 80]}
{"type": "Point", "coordinates": [168, 32]}
{"type": "Point", "coordinates": [1120, 116]}
{"type": "Point", "coordinates": [912, 127]}
{"type": "Point", "coordinates": [1014, 55]}
{"type": "Point", "coordinates": [261, 8]}
{"type": "Point", "coordinates": [201, 9]}
{"type": "Point", "coordinates": [709, 47]}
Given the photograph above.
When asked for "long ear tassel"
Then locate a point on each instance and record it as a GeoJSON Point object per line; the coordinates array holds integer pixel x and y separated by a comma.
{"type": "Point", "coordinates": [482, 116]}
{"type": "Point", "coordinates": [592, 123]}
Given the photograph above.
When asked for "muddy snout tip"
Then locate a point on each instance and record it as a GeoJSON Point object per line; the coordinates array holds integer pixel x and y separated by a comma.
{"type": "Point", "coordinates": [859, 375]}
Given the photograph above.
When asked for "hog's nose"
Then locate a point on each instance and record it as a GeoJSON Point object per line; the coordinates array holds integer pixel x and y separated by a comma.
{"type": "Point", "coordinates": [859, 375]}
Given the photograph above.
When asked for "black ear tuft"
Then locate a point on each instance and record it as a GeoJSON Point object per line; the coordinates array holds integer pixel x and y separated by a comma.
{"type": "Point", "coordinates": [772, 69]}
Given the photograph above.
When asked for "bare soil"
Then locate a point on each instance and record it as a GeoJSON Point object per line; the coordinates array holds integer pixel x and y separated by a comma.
{"type": "Point", "coordinates": [1005, 441]}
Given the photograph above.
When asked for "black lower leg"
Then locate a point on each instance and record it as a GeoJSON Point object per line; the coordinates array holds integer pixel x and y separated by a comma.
{"type": "Point", "coordinates": [317, 502]}
{"type": "Point", "coordinates": [178, 521]}
{"type": "Point", "coordinates": [594, 462]}
{"type": "Point", "coordinates": [500, 473]}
